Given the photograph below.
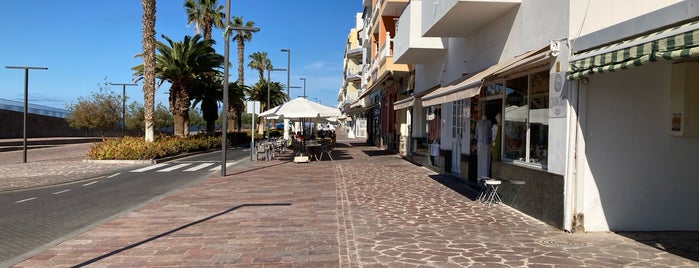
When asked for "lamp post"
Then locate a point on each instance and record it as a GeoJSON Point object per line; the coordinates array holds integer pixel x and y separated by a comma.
{"type": "Point", "coordinates": [252, 132]}
{"type": "Point", "coordinates": [123, 103]}
{"type": "Point", "coordinates": [26, 103]}
{"type": "Point", "coordinates": [224, 125]}
{"type": "Point", "coordinates": [268, 104]}
{"type": "Point", "coordinates": [304, 86]}
{"type": "Point", "coordinates": [288, 71]}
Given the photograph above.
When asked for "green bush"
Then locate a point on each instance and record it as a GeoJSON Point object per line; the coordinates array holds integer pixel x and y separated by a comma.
{"type": "Point", "coordinates": [136, 148]}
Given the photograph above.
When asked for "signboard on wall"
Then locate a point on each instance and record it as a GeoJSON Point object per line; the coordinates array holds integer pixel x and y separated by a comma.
{"type": "Point", "coordinates": [558, 95]}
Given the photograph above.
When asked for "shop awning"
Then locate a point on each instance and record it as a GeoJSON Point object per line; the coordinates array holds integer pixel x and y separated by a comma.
{"type": "Point", "coordinates": [674, 43]}
{"type": "Point", "coordinates": [470, 86]}
{"type": "Point", "coordinates": [410, 101]}
{"type": "Point", "coordinates": [404, 103]}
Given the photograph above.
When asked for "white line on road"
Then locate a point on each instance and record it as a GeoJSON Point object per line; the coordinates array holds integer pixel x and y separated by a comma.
{"type": "Point", "coordinates": [174, 167]}
{"type": "Point", "coordinates": [25, 200]}
{"type": "Point", "coordinates": [198, 167]}
{"type": "Point", "coordinates": [60, 192]}
{"type": "Point", "coordinates": [114, 175]}
{"type": "Point", "coordinates": [90, 183]}
{"type": "Point", "coordinates": [227, 165]}
{"type": "Point", "coordinates": [149, 167]}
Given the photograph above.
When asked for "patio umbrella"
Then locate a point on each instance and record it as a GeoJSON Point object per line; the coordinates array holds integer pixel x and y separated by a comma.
{"type": "Point", "coordinates": [301, 108]}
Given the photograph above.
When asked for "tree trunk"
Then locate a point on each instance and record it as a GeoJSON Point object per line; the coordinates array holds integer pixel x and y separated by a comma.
{"type": "Point", "coordinates": [179, 106]}
{"type": "Point", "coordinates": [148, 42]}
{"type": "Point", "coordinates": [179, 125]}
{"type": "Point", "coordinates": [209, 111]}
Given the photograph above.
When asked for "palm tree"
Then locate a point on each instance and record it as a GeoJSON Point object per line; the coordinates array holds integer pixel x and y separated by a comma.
{"type": "Point", "coordinates": [148, 42]}
{"type": "Point", "coordinates": [181, 64]}
{"type": "Point", "coordinates": [259, 93]}
{"type": "Point", "coordinates": [260, 62]}
{"type": "Point", "coordinates": [208, 90]}
{"type": "Point", "coordinates": [206, 14]}
{"type": "Point", "coordinates": [236, 95]}
{"type": "Point", "coordinates": [240, 37]}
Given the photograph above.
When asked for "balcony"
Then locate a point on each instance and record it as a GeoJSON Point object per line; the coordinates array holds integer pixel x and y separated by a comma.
{"type": "Point", "coordinates": [353, 73]}
{"type": "Point", "coordinates": [458, 18]}
{"type": "Point", "coordinates": [392, 8]}
{"type": "Point", "coordinates": [382, 65]}
{"type": "Point", "coordinates": [410, 46]}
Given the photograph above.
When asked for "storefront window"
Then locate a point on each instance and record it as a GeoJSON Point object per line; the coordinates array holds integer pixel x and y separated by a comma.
{"type": "Point", "coordinates": [494, 89]}
{"type": "Point", "coordinates": [516, 109]}
{"type": "Point", "coordinates": [538, 117]}
{"type": "Point", "coordinates": [526, 118]}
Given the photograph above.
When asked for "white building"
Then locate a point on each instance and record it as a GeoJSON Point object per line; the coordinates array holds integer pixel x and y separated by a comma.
{"type": "Point", "coordinates": [578, 149]}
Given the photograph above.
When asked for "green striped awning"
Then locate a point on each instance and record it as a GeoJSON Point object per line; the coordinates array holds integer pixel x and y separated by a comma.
{"type": "Point", "coordinates": [674, 43]}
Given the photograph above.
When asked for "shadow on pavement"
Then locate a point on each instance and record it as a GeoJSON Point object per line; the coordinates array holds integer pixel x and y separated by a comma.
{"type": "Point", "coordinates": [683, 244]}
{"type": "Point", "coordinates": [96, 259]}
{"type": "Point", "coordinates": [457, 185]}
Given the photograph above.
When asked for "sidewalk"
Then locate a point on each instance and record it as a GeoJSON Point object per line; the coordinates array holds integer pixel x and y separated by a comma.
{"type": "Point", "coordinates": [365, 209]}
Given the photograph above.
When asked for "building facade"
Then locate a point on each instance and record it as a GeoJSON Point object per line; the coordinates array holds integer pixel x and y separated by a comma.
{"type": "Point", "coordinates": [587, 110]}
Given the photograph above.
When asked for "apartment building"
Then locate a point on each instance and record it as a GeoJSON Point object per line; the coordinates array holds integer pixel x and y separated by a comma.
{"type": "Point", "coordinates": [586, 110]}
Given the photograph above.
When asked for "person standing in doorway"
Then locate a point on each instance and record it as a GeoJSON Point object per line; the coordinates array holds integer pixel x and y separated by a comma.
{"type": "Point", "coordinates": [483, 143]}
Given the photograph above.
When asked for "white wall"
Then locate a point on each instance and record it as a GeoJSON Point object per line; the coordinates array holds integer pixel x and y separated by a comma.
{"type": "Point", "coordinates": [593, 15]}
{"type": "Point", "coordinates": [637, 176]}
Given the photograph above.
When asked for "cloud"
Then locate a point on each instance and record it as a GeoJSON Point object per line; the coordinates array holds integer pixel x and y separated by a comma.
{"type": "Point", "coordinates": [318, 65]}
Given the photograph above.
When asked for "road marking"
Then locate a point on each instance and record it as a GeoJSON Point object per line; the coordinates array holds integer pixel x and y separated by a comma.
{"type": "Point", "coordinates": [149, 167]}
{"type": "Point", "coordinates": [198, 167]}
{"type": "Point", "coordinates": [25, 200]}
{"type": "Point", "coordinates": [174, 167]}
{"type": "Point", "coordinates": [90, 183]}
{"type": "Point", "coordinates": [60, 192]}
{"type": "Point", "coordinates": [227, 165]}
{"type": "Point", "coordinates": [114, 175]}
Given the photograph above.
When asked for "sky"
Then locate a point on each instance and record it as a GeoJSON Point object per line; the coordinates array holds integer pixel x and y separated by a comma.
{"type": "Point", "coordinates": [87, 43]}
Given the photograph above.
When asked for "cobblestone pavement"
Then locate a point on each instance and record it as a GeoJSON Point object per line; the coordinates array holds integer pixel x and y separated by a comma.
{"type": "Point", "coordinates": [365, 209]}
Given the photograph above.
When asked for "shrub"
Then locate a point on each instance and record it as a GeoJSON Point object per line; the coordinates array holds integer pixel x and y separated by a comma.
{"type": "Point", "coordinates": [136, 148]}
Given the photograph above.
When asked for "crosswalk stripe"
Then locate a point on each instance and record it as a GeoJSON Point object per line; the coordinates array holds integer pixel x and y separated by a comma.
{"type": "Point", "coordinates": [198, 167]}
{"type": "Point", "coordinates": [174, 167]}
{"type": "Point", "coordinates": [149, 167]}
{"type": "Point", "coordinates": [227, 165]}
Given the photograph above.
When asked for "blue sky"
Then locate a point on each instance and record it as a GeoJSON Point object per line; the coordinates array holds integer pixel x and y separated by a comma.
{"type": "Point", "coordinates": [82, 42]}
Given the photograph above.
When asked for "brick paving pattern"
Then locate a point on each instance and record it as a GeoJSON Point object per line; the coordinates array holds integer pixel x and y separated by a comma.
{"type": "Point", "coordinates": [365, 209]}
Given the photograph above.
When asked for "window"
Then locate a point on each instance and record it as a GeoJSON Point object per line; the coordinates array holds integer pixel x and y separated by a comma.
{"type": "Point", "coordinates": [526, 118]}
{"type": "Point", "coordinates": [460, 114]}
{"type": "Point", "coordinates": [493, 89]}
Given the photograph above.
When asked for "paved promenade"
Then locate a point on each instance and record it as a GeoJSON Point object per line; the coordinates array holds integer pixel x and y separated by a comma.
{"type": "Point", "coordinates": [365, 209]}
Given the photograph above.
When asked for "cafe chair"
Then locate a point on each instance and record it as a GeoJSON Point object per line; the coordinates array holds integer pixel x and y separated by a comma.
{"type": "Point", "coordinates": [327, 150]}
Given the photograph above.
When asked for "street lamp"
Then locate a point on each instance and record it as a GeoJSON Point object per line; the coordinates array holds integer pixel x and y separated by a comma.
{"type": "Point", "coordinates": [288, 70]}
{"type": "Point", "coordinates": [252, 132]}
{"type": "Point", "coordinates": [304, 86]}
{"type": "Point", "coordinates": [26, 103]}
{"type": "Point", "coordinates": [123, 104]}
{"type": "Point", "coordinates": [226, 49]}
{"type": "Point", "coordinates": [268, 104]}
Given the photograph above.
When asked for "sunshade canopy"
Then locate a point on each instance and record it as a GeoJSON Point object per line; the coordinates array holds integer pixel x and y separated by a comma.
{"type": "Point", "coordinates": [301, 108]}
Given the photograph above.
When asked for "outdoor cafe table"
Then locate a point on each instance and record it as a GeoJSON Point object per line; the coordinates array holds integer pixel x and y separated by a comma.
{"type": "Point", "coordinates": [313, 149]}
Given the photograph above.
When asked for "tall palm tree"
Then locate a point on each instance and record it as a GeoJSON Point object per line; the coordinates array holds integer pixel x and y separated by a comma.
{"type": "Point", "coordinates": [240, 37]}
{"type": "Point", "coordinates": [148, 54]}
{"type": "Point", "coordinates": [260, 62]}
{"type": "Point", "coordinates": [206, 14]}
{"type": "Point", "coordinates": [258, 92]}
{"type": "Point", "coordinates": [181, 64]}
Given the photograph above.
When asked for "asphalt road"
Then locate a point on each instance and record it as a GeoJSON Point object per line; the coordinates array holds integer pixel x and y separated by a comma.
{"type": "Point", "coordinates": [35, 219]}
